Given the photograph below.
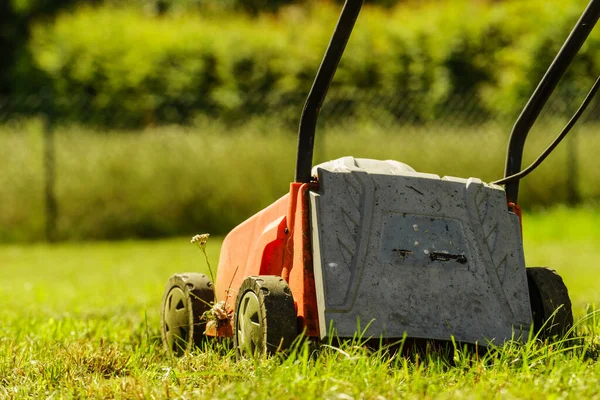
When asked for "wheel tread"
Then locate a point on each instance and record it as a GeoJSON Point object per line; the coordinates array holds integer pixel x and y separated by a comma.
{"type": "Point", "coordinates": [550, 302]}
{"type": "Point", "coordinates": [277, 308]}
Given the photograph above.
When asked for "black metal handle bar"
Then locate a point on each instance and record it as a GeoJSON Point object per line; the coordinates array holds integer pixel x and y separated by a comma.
{"type": "Point", "coordinates": [318, 91]}
{"type": "Point", "coordinates": [335, 50]}
{"type": "Point", "coordinates": [556, 141]}
{"type": "Point", "coordinates": [542, 93]}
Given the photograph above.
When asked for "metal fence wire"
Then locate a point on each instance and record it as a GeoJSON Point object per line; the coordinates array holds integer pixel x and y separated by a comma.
{"type": "Point", "coordinates": [379, 107]}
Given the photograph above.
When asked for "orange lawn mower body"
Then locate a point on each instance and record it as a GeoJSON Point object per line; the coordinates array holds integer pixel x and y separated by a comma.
{"type": "Point", "coordinates": [375, 247]}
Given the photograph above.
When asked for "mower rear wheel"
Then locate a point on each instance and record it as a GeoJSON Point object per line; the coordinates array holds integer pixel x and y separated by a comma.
{"type": "Point", "coordinates": [265, 316]}
{"type": "Point", "coordinates": [550, 303]}
{"type": "Point", "coordinates": [187, 296]}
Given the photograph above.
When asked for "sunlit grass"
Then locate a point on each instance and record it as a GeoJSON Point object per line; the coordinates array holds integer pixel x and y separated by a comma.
{"type": "Point", "coordinates": [82, 320]}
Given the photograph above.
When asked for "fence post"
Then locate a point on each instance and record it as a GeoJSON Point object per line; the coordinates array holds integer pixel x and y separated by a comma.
{"type": "Point", "coordinates": [50, 179]}
{"type": "Point", "coordinates": [573, 196]}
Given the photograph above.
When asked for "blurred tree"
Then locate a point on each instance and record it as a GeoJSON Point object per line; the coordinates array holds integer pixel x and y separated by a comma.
{"type": "Point", "coordinates": [17, 71]}
{"type": "Point", "coordinates": [13, 36]}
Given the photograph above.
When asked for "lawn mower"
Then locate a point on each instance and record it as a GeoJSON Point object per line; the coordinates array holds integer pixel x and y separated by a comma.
{"type": "Point", "coordinates": [377, 247]}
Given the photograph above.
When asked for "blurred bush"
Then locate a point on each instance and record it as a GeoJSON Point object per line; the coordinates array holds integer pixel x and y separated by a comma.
{"type": "Point", "coordinates": [536, 42]}
{"type": "Point", "coordinates": [118, 66]}
{"type": "Point", "coordinates": [249, 6]}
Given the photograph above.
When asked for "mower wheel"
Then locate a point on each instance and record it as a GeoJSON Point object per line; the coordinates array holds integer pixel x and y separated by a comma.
{"type": "Point", "coordinates": [265, 316]}
{"type": "Point", "coordinates": [187, 296]}
{"type": "Point", "coordinates": [550, 303]}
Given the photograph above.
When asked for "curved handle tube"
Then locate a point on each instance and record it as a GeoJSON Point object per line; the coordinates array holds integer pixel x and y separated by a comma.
{"type": "Point", "coordinates": [542, 93]}
{"type": "Point", "coordinates": [318, 91]}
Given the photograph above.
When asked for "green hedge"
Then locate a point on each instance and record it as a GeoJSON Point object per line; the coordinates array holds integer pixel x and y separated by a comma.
{"type": "Point", "coordinates": [250, 6]}
{"type": "Point", "coordinates": [121, 67]}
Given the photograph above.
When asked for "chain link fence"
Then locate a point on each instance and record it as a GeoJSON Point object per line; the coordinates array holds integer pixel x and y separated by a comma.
{"type": "Point", "coordinates": [64, 178]}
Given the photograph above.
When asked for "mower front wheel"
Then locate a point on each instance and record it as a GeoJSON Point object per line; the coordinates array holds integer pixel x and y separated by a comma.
{"type": "Point", "coordinates": [550, 303]}
{"type": "Point", "coordinates": [265, 316]}
{"type": "Point", "coordinates": [187, 296]}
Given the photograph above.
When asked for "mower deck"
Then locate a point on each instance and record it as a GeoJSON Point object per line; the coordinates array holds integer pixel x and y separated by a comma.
{"type": "Point", "coordinates": [410, 253]}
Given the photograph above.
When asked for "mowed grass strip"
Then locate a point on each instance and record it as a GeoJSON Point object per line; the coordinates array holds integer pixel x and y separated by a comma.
{"type": "Point", "coordinates": [81, 320]}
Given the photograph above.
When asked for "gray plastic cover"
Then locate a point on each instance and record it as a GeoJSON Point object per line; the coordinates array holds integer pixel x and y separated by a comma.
{"type": "Point", "coordinates": [408, 252]}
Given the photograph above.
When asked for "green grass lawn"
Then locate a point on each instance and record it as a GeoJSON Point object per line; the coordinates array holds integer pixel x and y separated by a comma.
{"type": "Point", "coordinates": [81, 320]}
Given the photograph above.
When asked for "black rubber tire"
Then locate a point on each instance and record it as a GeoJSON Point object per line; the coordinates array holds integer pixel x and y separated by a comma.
{"type": "Point", "coordinates": [265, 316]}
{"type": "Point", "coordinates": [186, 297]}
{"type": "Point", "coordinates": [550, 303]}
